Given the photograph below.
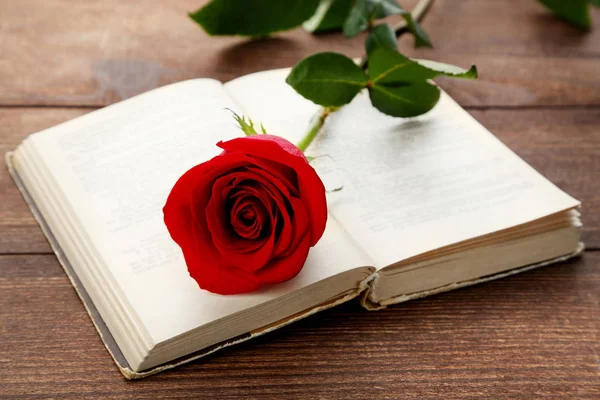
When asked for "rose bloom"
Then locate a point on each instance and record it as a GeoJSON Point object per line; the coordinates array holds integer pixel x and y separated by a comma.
{"type": "Point", "coordinates": [249, 216]}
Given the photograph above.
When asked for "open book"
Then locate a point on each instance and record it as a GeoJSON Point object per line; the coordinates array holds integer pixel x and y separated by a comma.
{"type": "Point", "coordinates": [427, 204]}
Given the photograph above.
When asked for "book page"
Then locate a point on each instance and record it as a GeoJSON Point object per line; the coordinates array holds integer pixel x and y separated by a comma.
{"type": "Point", "coordinates": [115, 168]}
{"type": "Point", "coordinates": [269, 100]}
{"type": "Point", "coordinates": [408, 185]}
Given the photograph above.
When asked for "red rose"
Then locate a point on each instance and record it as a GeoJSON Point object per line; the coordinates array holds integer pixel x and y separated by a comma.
{"type": "Point", "coordinates": [248, 216]}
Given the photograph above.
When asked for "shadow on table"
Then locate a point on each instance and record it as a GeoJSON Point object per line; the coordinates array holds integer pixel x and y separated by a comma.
{"type": "Point", "coordinates": [556, 34]}
{"type": "Point", "coordinates": [258, 55]}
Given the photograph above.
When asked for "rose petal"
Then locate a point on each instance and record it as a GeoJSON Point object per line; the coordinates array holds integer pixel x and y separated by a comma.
{"type": "Point", "coordinates": [217, 219]}
{"type": "Point", "coordinates": [281, 143]}
{"type": "Point", "coordinates": [284, 228]}
{"type": "Point", "coordinates": [248, 255]}
{"type": "Point", "coordinates": [247, 216]}
{"type": "Point", "coordinates": [285, 268]}
{"type": "Point", "coordinates": [179, 220]}
{"type": "Point", "coordinates": [311, 189]}
{"type": "Point", "coordinates": [274, 191]}
{"type": "Point", "coordinates": [249, 181]}
{"type": "Point", "coordinates": [280, 172]}
{"type": "Point", "coordinates": [214, 277]}
{"type": "Point", "coordinates": [299, 227]}
{"type": "Point", "coordinates": [214, 168]}
{"type": "Point", "coordinates": [200, 257]}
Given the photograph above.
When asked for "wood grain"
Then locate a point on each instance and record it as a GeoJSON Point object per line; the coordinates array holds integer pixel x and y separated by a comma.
{"type": "Point", "coordinates": [564, 145]}
{"type": "Point", "coordinates": [534, 335]}
{"type": "Point", "coordinates": [100, 52]}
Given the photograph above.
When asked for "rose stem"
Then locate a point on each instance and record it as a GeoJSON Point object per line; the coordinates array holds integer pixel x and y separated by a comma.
{"type": "Point", "coordinates": [418, 13]}
{"type": "Point", "coordinates": [315, 128]}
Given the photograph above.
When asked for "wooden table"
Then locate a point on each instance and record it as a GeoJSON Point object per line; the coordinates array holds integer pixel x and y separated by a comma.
{"type": "Point", "coordinates": [535, 335]}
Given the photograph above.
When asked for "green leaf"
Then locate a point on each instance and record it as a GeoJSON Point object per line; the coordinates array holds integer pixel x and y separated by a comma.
{"type": "Point", "coordinates": [330, 15]}
{"type": "Point", "coordinates": [381, 36]}
{"type": "Point", "coordinates": [246, 126]}
{"type": "Point", "coordinates": [358, 19]}
{"type": "Point", "coordinates": [389, 66]}
{"type": "Point", "coordinates": [575, 11]}
{"type": "Point", "coordinates": [385, 8]}
{"type": "Point", "coordinates": [595, 3]}
{"type": "Point", "coordinates": [421, 37]}
{"type": "Point", "coordinates": [363, 12]}
{"type": "Point", "coordinates": [327, 79]}
{"type": "Point", "coordinates": [405, 100]}
{"type": "Point", "coordinates": [438, 68]}
{"type": "Point", "coordinates": [253, 17]}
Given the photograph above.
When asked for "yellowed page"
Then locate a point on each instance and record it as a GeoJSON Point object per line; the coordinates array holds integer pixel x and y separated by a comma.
{"type": "Point", "coordinates": [409, 185]}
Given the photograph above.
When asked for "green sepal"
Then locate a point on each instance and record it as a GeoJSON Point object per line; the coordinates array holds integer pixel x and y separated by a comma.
{"type": "Point", "coordinates": [247, 126]}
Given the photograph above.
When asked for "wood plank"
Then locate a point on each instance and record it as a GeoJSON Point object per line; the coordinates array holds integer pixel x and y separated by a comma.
{"type": "Point", "coordinates": [97, 53]}
{"type": "Point", "coordinates": [534, 335]}
{"type": "Point", "coordinates": [507, 28]}
{"type": "Point", "coordinates": [19, 230]}
{"type": "Point", "coordinates": [562, 144]}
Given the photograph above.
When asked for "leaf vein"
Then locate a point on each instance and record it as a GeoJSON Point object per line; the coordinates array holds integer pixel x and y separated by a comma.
{"type": "Point", "coordinates": [389, 71]}
{"type": "Point", "coordinates": [319, 80]}
{"type": "Point", "coordinates": [391, 94]}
